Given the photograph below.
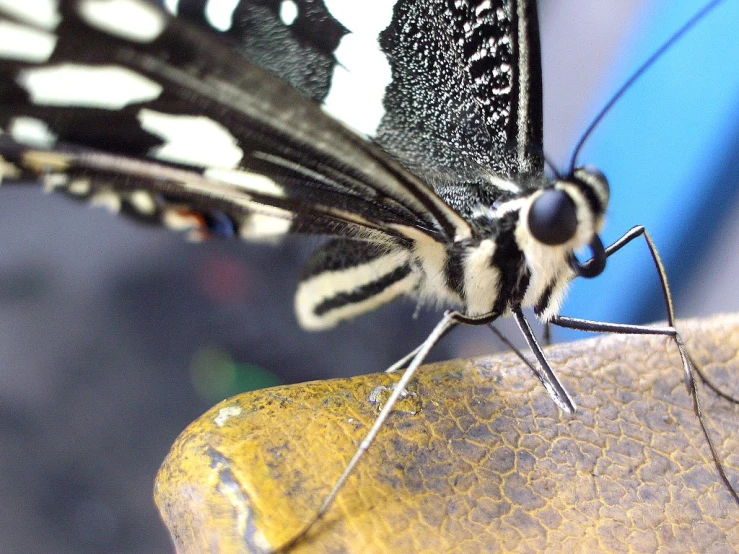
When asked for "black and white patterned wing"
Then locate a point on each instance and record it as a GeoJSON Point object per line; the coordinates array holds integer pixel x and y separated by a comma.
{"type": "Point", "coordinates": [465, 96]}
{"type": "Point", "coordinates": [212, 123]}
{"type": "Point", "coordinates": [128, 102]}
{"type": "Point", "coordinates": [452, 89]}
{"type": "Point", "coordinates": [293, 39]}
{"type": "Point", "coordinates": [118, 103]}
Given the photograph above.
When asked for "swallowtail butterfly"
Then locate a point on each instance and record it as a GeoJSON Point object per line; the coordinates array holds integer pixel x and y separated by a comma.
{"type": "Point", "coordinates": [428, 176]}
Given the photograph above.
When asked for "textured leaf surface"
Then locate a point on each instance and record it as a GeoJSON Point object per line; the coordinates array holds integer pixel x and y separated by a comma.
{"type": "Point", "coordinates": [476, 459]}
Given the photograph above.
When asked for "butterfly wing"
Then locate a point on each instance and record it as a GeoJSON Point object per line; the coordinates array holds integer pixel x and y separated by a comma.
{"type": "Point", "coordinates": [465, 97]}
{"type": "Point", "coordinates": [177, 97]}
{"type": "Point", "coordinates": [463, 74]}
{"type": "Point", "coordinates": [294, 40]}
{"type": "Point", "coordinates": [451, 89]}
{"type": "Point", "coordinates": [116, 101]}
{"type": "Point", "coordinates": [119, 103]}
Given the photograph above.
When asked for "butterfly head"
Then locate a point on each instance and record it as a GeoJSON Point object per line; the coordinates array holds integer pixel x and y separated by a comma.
{"type": "Point", "coordinates": [569, 214]}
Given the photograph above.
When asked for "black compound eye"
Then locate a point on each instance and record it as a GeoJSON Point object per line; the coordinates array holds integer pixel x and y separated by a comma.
{"type": "Point", "coordinates": [553, 217]}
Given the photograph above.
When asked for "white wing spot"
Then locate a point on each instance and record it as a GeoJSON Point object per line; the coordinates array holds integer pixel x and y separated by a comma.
{"type": "Point", "coordinates": [40, 13]}
{"type": "Point", "coordinates": [220, 13]}
{"type": "Point", "coordinates": [363, 72]}
{"type": "Point", "coordinates": [143, 202]}
{"type": "Point", "coordinates": [79, 187]}
{"type": "Point", "coordinates": [32, 132]}
{"type": "Point", "coordinates": [251, 182]}
{"type": "Point", "coordinates": [258, 226]}
{"type": "Point", "coordinates": [191, 140]}
{"type": "Point", "coordinates": [25, 44]}
{"type": "Point", "coordinates": [107, 199]}
{"type": "Point", "coordinates": [133, 20]}
{"type": "Point", "coordinates": [8, 170]}
{"type": "Point", "coordinates": [288, 12]}
{"type": "Point", "coordinates": [179, 220]}
{"type": "Point", "coordinates": [108, 87]}
{"type": "Point", "coordinates": [53, 181]}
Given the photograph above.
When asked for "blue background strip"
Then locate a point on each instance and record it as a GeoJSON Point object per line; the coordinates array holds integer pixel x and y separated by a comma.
{"type": "Point", "coordinates": [670, 149]}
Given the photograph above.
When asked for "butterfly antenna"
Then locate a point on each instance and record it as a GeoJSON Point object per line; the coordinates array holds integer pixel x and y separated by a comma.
{"type": "Point", "coordinates": [638, 73]}
{"type": "Point", "coordinates": [557, 173]}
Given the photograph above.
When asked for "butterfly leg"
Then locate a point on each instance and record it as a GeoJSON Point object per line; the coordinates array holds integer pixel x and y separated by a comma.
{"type": "Point", "coordinates": [402, 362]}
{"type": "Point", "coordinates": [505, 340]}
{"type": "Point", "coordinates": [630, 235]}
{"type": "Point", "coordinates": [543, 371]}
{"type": "Point", "coordinates": [690, 369]}
{"type": "Point", "coordinates": [512, 347]}
{"type": "Point", "coordinates": [447, 322]}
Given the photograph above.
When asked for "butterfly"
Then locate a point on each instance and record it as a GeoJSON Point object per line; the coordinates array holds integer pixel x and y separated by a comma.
{"type": "Point", "coordinates": [427, 176]}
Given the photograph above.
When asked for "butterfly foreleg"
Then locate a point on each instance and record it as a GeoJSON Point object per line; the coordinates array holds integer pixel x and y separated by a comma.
{"type": "Point", "coordinates": [694, 368]}
{"type": "Point", "coordinates": [690, 369]}
{"type": "Point", "coordinates": [543, 371]}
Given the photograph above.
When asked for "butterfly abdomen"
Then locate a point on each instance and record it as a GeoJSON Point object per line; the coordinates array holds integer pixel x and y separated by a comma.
{"type": "Point", "coordinates": [345, 278]}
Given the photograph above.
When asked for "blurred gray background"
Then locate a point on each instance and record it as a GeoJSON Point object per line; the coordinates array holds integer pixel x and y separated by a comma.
{"type": "Point", "coordinates": [113, 337]}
